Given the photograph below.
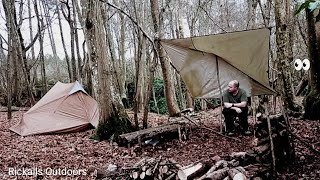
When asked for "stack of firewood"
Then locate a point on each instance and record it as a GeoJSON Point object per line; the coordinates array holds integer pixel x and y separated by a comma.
{"type": "Point", "coordinates": [239, 165]}
{"type": "Point", "coordinates": [147, 168]}
{"type": "Point", "coordinates": [282, 146]}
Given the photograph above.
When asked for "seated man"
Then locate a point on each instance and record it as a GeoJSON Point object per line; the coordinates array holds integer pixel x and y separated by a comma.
{"type": "Point", "coordinates": [235, 104]}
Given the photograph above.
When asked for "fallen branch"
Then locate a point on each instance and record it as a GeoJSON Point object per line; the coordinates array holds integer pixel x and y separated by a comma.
{"type": "Point", "coordinates": [304, 142]}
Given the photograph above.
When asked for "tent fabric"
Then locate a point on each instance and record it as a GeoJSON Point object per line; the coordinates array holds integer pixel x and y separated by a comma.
{"type": "Point", "coordinates": [205, 61]}
{"type": "Point", "coordinates": [65, 108]}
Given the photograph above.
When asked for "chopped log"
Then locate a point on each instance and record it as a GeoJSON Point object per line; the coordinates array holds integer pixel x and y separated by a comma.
{"type": "Point", "coordinates": [234, 163]}
{"type": "Point", "coordinates": [190, 172]}
{"type": "Point", "coordinates": [262, 149]}
{"type": "Point", "coordinates": [165, 169]}
{"type": "Point", "coordinates": [275, 117]}
{"type": "Point", "coordinates": [171, 176]}
{"type": "Point", "coordinates": [238, 155]}
{"type": "Point", "coordinates": [135, 175]}
{"type": "Point", "coordinates": [217, 165]}
{"type": "Point", "coordinates": [219, 174]}
{"type": "Point", "coordinates": [255, 170]}
{"type": "Point", "coordinates": [149, 172]}
{"type": "Point", "coordinates": [142, 175]}
{"type": "Point", "coordinates": [241, 169]}
{"type": "Point", "coordinates": [144, 168]}
{"type": "Point", "coordinates": [232, 172]}
{"type": "Point", "coordinates": [259, 141]}
{"type": "Point", "coordinates": [226, 178]}
{"type": "Point", "coordinates": [239, 176]}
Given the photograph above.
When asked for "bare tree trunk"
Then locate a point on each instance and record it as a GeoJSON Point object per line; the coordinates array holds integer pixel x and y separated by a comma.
{"type": "Point", "coordinates": [282, 37]}
{"type": "Point", "coordinates": [43, 69]}
{"type": "Point", "coordinates": [35, 75]}
{"type": "Point", "coordinates": [52, 41]}
{"type": "Point", "coordinates": [85, 70]}
{"type": "Point", "coordinates": [312, 100]}
{"type": "Point", "coordinates": [76, 38]}
{"type": "Point", "coordinates": [122, 57]}
{"type": "Point", "coordinates": [251, 17]}
{"type": "Point", "coordinates": [8, 5]}
{"type": "Point", "coordinates": [150, 90]}
{"type": "Point", "coordinates": [166, 71]}
{"type": "Point", "coordinates": [72, 35]}
{"type": "Point", "coordinates": [63, 43]}
{"type": "Point", "coordinates": [181, 84]}
{"type": "Point", "coordinates": [113, 118]}
{"type": "Point", "coordinates": [110, 43]}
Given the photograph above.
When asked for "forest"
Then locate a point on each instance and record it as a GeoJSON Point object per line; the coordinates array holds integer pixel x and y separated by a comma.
{"type": "Point", "coordinates": [99, 87]}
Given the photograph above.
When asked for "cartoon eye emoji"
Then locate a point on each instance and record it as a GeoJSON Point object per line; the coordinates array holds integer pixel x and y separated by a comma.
{"type": "Point", "coordinates": [306, 64]}
{"type": "Point", "coordinates": [298, 64]}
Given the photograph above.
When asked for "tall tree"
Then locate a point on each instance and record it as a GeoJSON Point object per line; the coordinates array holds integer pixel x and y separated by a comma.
{"type": "Point", "coordinates": [68, 16]}
{"type": "Point", "coordinates": [282, 38]}
{"type": "Point", "coordinates": [165, 65]}
{"type": "Point", "coordinates": [113, 118]}
{"type": "Point", "coordinates": [52, 40]}
{"type": "Point", "coordinates": [43, 68]}
{"type": "Point", "coordinates": [66, 56]}
{"type": "Point", "coordinates": [35, 75]}
{"type": "Point", "coordinates": [312, 100]}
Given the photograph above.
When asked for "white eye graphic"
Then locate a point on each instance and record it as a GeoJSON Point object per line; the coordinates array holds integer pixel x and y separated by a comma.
{"type": "Point", "coordinates": [298, 64]}
{"type": "Point", "coordinates": [306, 64]}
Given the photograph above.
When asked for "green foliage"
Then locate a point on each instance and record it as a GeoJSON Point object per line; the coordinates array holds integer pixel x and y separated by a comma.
{"type": "Point", "coordinates": [158, 86]}
{"type": "Point", "coordinates": [310, 4]}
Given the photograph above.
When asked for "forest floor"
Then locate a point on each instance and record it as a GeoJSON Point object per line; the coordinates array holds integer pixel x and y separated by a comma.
{"type": "Point", "coordinates": [77, 151]}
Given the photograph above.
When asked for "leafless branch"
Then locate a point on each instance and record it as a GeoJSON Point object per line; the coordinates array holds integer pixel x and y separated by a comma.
{"type": "Point", "coordinates": [212, 19]}
{"type": "Point", "coordinates": [32, 42]}
{"type": "Point", "coordinates": [138, 25]}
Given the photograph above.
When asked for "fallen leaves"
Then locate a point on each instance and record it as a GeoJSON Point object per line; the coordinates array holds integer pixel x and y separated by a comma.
{"type": "Point", "coordinates": [78, 151]}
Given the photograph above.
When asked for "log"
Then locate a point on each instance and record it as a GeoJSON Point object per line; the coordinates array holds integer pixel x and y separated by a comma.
{"type": "Point", "coordinates": [239, 176]}
{"type": "Point", "coordinates": [275, 117]}
{"type": "Point", "coordinates": [255, 170]}
{"type": "Point", "coordinates": [150, 132]}
{"type": "Point", "coordinates": [193, 171]}
{"type": "Point", "coordinates": [135, 175]}
{"type": "Point", "coordinates": [142, 175]}
{"type": "Point", "coordinates": [217, 165]}
{"type": "Point", "coordinates": [219, 174]}
{"type": "Point", "coordinates": [262, 149]}
{"type": "Point", "coordinates": [171, 176]}
{"type": "Point", "coordinates": [149, 172]}
{"type": "Point", "coordinates": [261, 141]}
{"type": "Point", "coordinates": [238, 155]}
{"type": "Point", "coordinates": [232, 172]}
